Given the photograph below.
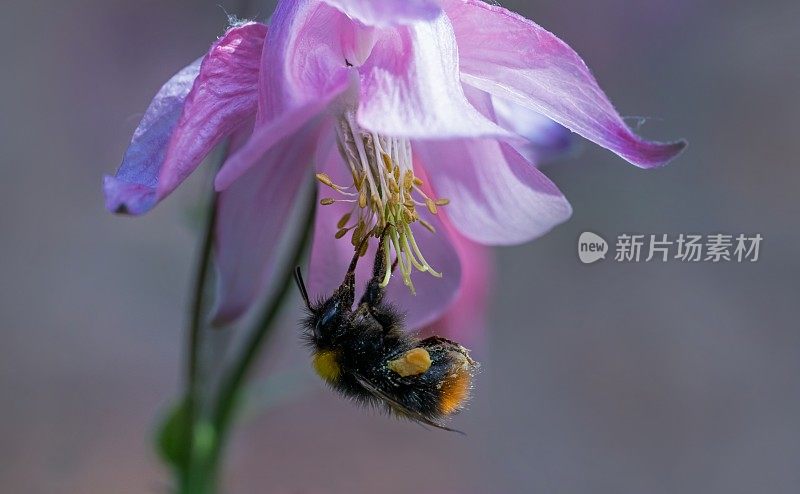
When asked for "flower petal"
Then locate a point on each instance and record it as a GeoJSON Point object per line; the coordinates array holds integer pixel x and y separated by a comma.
{"type": "Point", "coordinates": [303, 70]}
{"type": "Point", "coordinates": [330, 258]}
{"type": "Point", "coordinates": [253, 215]}
{"type": "Point", "coordinates": [133, 189]}
{"type": "Point", "coordinates": [509, 56]}
{"type": "Point", "coordinates": [264, 137]}
{"type": "Point", "coordinates": [224, 95]}
{"type": "Point", "coordinates": [304, 52]}
{"type": "Point", "coordinates": [387, 12]}
{"type": "Point", "coordinates": [192, 113]}
{"type": "Point", "coordinates": [496, 197]}
{"type": "Point", "coordinates": [410, 86]}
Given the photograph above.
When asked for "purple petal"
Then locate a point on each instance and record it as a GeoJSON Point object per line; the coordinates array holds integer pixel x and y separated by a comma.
{"type": "Point", "coordinates": [133, 189]}
{"type": "Point", "coordinates": [183, 125]}
{"type": "Point", "coordinates": [411, 87]}
{"type": "Point", "coordinates": [303, 54]}
{"type": "Point", "coordinates": [264, 137]}
{"type": "Point", "coordinates": [303, 71]}
{"type": "Point", "coordinates": [330, 258]}
{"type": "Point", "coordinates": [496, 197]}
{"type": "Point", "coordinates": [224, 96]}
{"type": "Point", "coordinates": [387, 12]}
{"type": "Point", "coordinates": [251, 220]}
{"type": "Point", "coordinates": [512, 57]}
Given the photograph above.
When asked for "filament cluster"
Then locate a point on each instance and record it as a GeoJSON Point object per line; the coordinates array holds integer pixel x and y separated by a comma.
{"type": "Point", "coordinates": [385, 194]}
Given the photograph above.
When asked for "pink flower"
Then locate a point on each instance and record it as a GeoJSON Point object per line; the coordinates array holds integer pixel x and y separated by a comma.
{"type": "Point", "coordinates": [393, 103]}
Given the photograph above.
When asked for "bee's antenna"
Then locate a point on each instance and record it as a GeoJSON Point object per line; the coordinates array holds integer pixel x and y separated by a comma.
{"type": "Point", "coordinates": [298, 278]}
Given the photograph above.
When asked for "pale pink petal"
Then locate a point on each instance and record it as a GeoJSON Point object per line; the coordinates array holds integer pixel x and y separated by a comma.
{"type": "Point", "coordinates": [303, 69]}
{"type": "Point", "coordinates": [465, 318]}
{"type": "Point", "coordinates": [303, 54]}
{"type": "Point", "coordinates": [512, 57]}
{"type": "Point", "coordinates": [133, 189]}
{"type": "Point", "coordinates": [267, 135]}
{"type": "Point", "coordinates": [410, 86]}
{"type": "Point", "coordinates": [252, 217]}
{"type": "Point", "coordinates": [496, 197]}
{"type": "Point", "coordinates": [387, 12]}
{"type": "Point", "coordinates": [224, 95]}
{"type": "Point", "coordinates": [330, 258]}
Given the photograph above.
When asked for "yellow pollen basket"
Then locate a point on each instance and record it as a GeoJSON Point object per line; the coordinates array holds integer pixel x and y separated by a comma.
{"type": "Point", "coordinates": [412, 363]}
{"type": "Point", "coordinates": [385, 195]}
{"type": "Point", "coordinates": [326, 366]}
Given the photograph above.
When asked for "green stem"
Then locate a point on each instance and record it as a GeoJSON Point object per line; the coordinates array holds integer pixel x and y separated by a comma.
{"type": "Point", "coordinates": [232, 385]}
{"type": "Point", "coordinates": [190, 474]}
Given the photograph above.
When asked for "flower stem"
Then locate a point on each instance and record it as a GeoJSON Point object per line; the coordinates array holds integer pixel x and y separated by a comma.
{"type": "Point", "coordinates": [233, 384]}
{"type": "Point", "coordinates": [191, 476]}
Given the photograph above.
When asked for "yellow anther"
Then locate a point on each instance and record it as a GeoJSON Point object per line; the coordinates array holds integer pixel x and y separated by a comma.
{"type": "Point", "coordinates": [387, 162]}
{"type": "Point", "coordinates": [362, 198]}
{"type": "Point", "coordinates": [431, 205]}
{"type": "Point", "coordinates": [417, 181]}
{"type": "Point", "coordinates": [408, 180]}
{"type": "Point", "coordinates": [341, 233]}
{"type": "Point", "coordinates": [442, 202]}
{"type": "Point", "coordinates": [343, 221]}
{"type": "Point", "coordinates": [427, 226]}
{"type": "Point", "coordinates": [357, 234]}
{"type": "Point", "coordinates": [327, 201]}
{"type": "Point", "coordinates": [325, 179]}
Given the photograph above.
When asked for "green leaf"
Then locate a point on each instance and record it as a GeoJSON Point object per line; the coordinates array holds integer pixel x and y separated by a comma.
{"type": "Point", "coordinates": [171, 441]}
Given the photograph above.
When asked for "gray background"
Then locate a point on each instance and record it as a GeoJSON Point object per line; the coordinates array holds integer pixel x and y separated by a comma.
{"type": "Point", "coordinates": [610, 378]}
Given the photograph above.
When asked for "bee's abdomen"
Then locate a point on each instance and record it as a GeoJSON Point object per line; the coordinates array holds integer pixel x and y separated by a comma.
{"type": "Point", "coordinates": [437, 392]}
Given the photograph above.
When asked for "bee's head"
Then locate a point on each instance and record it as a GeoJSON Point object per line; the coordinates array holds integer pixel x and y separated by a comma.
{"type": "Point", "coordinates": [328, 319]}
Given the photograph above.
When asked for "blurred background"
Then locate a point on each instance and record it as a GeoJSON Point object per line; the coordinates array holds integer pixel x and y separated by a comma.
{"type": "Point", "coordinates": [611, 378]}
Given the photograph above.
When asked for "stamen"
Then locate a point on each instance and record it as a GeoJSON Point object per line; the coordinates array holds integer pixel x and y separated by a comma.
{"type": "Point", "coordinates": [343, 221]}
{"type": "Point", "coordinates": [387, 162]}
{"type": "Point", "coordinates": [431, 205]}
{"type": "Point", "coordinates": [325, 179]}
{"type": "Point", "coordinates": [385, 196]}
{"type": "Point", "coordinates": [427, 226]}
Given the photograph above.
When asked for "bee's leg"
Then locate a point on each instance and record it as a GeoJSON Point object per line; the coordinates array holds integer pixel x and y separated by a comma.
{"type": "Point", "coordinates": [346, 292]}
{"type": "Point", "coordinates": [374, 292]}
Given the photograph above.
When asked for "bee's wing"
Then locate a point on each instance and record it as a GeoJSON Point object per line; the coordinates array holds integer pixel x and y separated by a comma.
{"type": "Point", "coordinates": [416, 416]}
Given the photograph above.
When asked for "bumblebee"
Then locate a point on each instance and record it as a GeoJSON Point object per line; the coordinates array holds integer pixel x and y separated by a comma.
{"type": "Point", "coordinates": [366, 355]}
